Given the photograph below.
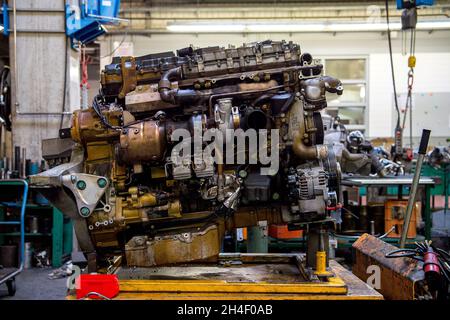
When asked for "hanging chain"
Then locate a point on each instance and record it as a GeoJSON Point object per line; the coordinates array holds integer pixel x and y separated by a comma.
{"type": "Point", "coordinates": [84, 77]}
{"type": "Point", "coordinates": [408, 103]}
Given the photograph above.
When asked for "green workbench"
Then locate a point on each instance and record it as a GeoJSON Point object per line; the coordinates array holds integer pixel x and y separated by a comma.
{"type": "Point", "coordinates": [401, 183]}
{"type": "Point", "coordinates": [61, 232]}
{"type": "Point", "coordinates": [442, 175]}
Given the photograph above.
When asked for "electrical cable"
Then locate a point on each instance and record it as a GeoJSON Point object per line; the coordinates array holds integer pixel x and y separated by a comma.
{"type": "Point", "coordinates": [419, 253]}
{"type": "Point", "coordinates": [5, 103]}
{"type": "Point", "coordinates": [116, 48]}
{"type": "Point", "coordinates": [392, 64]}
{"type": "Point", "coordinates": [97, 105]}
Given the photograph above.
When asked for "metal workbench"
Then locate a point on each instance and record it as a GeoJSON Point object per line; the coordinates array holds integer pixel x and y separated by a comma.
{"type": "Point", "coordinates": [426, 182]}
{"type": "Point", "coordinates": [240, 276]}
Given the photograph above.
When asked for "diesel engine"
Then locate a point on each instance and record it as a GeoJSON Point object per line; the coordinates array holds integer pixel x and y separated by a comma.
{"type": "Point", "coordinates": [179, 149]}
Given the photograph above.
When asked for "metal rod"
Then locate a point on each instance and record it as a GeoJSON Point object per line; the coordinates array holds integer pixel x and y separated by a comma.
{"type": "Point", "coordinates": [410, 123]}
{"type": "Point", "coordinates": [146, 32]}
{"type": "Point", "coordinates": [415, 184]}
{"type": "Point", "coordinates": [43, 113]}
{"type": "Point", "coordinates": [17, 158]}
{"type": "Point", "coordinates": [23, 164]}
{"type": "Point", "coordinates": [38, 31]}
{"type": "Point", "coordinates": [314, 6]}
{"type": "Point", "coordinates": [37, 10]}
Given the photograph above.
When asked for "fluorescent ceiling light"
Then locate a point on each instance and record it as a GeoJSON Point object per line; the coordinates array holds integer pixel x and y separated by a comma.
{"type": "Point", "coordinates": [433, 25]}
{"type": "Point", "coordinates": [206, 27]}
{"type": "Point", "coordinates": [298, 27]}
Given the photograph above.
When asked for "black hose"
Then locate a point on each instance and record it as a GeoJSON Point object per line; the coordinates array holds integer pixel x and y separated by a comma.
{"type": "Point", "coordinates": [419, 253]}
{"type": "Point", "coordinates": [392, 64]}
{"type": "Point", "coordinates": [5, 108]}
{"type": "Point", "coordinates": [164, 88]}
{"type": "Point", "coordinates": [96, 105]}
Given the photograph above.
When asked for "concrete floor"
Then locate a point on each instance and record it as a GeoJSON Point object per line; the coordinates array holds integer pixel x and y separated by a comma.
{"type": "Point", "coordinates": [34, 284]}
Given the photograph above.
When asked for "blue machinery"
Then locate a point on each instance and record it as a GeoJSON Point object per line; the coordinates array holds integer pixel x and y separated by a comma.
{"type": "Point", "coordinates": [4, 19]}
{"type": "Point", "coordinates": [7, 274]}
{"type": "Point", "coordinates": [407, 4]}
{"type": "Point", "coordinates": [85, 22]}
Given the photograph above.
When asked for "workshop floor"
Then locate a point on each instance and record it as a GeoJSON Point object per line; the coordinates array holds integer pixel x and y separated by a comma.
{"type": "Point", "coordinates": [34, 284]}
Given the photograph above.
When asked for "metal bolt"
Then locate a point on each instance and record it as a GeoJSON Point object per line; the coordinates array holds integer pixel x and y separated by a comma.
{"type": "Point", "coordinates": [81, 185]}
{"type": "Point", "coordinates": [84, 211]}
{"type": "Point", "coordinates": [101, 182]}
{"type": "Point", "coordinates": [243, 173]}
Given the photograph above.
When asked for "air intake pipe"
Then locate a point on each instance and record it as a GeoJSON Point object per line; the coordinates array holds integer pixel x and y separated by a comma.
{"type": "Point", "coordinates": [300, 148]}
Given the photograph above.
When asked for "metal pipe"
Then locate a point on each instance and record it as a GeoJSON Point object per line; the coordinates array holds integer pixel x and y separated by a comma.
{"type": "Point", "coordinates": [305, 152]}
{"type": "Point", "coordinates": [263, 7]}
{"type": "Point", "coordinates": [278, 18]}
{"type": "Point", "coordinates": [415, 184]}
{"type": "Point", "coordinates": [301, 150]}
{"type": "Point", "coordinates": [16, 159]}
{"type": "Point", "coordinates": [37, 10]}
{"type": "Point", "coordinates": [39, 31]}
{"type": "Point", "coordinates": [146, 32]}
{"type": "Point", "coordinates": [23, 163]}
{"type": "Point", "coordinates": [43, 113]}
{"type": "Point", "coordinates": [164, 85]}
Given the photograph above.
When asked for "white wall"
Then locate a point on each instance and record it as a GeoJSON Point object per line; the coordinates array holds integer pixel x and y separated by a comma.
{"type": "Point", "coordinates": [40, 75]}
{"type": "Point", "coordinates": [432, 73]}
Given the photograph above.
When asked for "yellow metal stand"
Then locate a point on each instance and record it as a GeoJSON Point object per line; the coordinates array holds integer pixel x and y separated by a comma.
{"type": "Point", "coordinates": [241, 277]}
{"type": "Point", "coordinates": [321, 263]}
{"type": "Point", "coordinates": [334, 285]}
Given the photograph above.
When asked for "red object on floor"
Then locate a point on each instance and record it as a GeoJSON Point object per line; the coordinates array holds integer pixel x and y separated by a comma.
{"type": "Point", "coordinates": [104, 284]}
{"type": "Point", "coordinates": [280, 231]}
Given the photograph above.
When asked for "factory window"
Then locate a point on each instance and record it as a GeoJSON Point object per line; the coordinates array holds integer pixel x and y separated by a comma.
{"type": "Point", "coordinates": [351, 106]}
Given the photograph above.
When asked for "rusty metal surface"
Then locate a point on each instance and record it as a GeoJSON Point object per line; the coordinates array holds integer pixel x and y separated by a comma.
{"type": "Point", "coordinates": [142, 142]}
{"type": "Point", "coordinates": [400, 277]}
{"type": "Point", "coordinates": [273, 276]}
{"type": "Point", "coordinates": [270, 273]}
{"type": "Point", "coordinates": [356, 288]}
{"type": "Point", "coordinates": [231, 267]}
{"type": "Point", "coordinates": [141, 289]}
{"type": "Point", "coordinates": [176, 248]}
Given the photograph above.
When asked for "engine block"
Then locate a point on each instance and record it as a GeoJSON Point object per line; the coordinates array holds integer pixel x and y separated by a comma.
{"type": "Point", "coordinates": [178, 149]}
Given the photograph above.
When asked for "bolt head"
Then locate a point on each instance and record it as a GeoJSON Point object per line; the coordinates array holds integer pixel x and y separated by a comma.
{"type": "Point", "coordinates": [101, 182]}
{"type": "Point", "coordinates": [81, 185]}
{"type": "Point", "coordinates": [84, 211]}
{"type": "Point", "coordinates": [243, 173]}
